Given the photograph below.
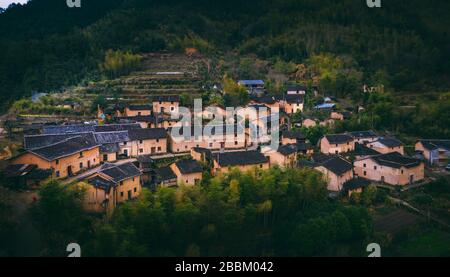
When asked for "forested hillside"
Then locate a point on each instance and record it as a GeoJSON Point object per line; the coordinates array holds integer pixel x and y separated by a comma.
{"type": "Point", "coordinates": [404, 45]}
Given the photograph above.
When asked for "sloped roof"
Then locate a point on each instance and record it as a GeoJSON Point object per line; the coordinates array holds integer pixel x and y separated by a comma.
{"type": "Point", "coordinates": [67, 129]}
{"type": "Point", "coordinates": [65, 148]}
{"type": "Point", "coordinates": [240, 158]}
{"type": "Point", "coordinates": [433, 144]}
{"type": "Point", "coordinates": [251, 82]}
{"type": "Point", "coordinates": [294, 98]}
{"type": "Point", "coordinates": [116, 127]}
{"type": "Point", "coordinates": [143, 134]}
{"type": "Point", "coordinates": [121, 172]}
{"type": "Point", "coordinates": [165, 174]}
{"type": "Point", "coordinates": [356, 183]}
{"type": "Point", "coordinates": [102, 183]}
{"type": "Point", "coordinates": [38, 141]}
{"type": "Point", "coordinates": [166, 98]}
{"type": "Point", "coordinates": [189, 166]}
{"type": "Point", "coordinates": [112, 137]}
{"type": "Point", "coordinates": [363, 134]}
{"type": "Point", "coordinates": [337, 165]}
{"type": "Point", "coordinates": [287, 149]}
{"type": "Point", "coordinates": [396, 160]}
{"type": "Point", "coordinates": [140, 107]}
{"type": "Point", "coordinates": [294, 135]}
{"type": "Point", "coordinates": [362, 150]}
{"type": "Point", "coordinates": [390, 142]}
{"type": "Point", "coordinates": [295, 87]}
{"type": "Point", "coordinates": [338, 138]}
{"type": "Point", "coordinates": [110, 148]}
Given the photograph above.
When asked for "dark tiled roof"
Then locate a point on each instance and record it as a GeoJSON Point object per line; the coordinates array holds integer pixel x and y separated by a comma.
{"type": "Point", "coordinates": [120, 172]}
{"type": "Point", "coordinates": [38, 141]}
{"type": "Point", "coordinates": [143, 134]}
{"type": "Point", "coordinates": [166, 98]}
{"type": "Point", "coordinates": [116, 127]}
{"type": "Point", "coordinates": [145, 159]}
{"type": "Point", "coordinates": [165, 174]}
{"type": "Point", "coordinates": [189, 166]}
{"type": "Point", "coordinates": [140, 107]}
{"type": "Point", "coordinates": [362, 150]}
{"type": "Point", "coordinates": [356, 183]}
{"type": "Point", "coordinates": [294, 135]}
{"type": "Point", "coordinates": [139, 118]}
{"type": "Point", "coordinates": [304, 146]}
{"type": "Point", "coordinates": [287, 149]}
{"type": "Point", "coordinates": [337, 165]}
{"type": "Point", "coordinates": [363, 134]}
{"type": "Point", "coordinates": [396, 160]}
{"type": "Point", "coordinates": [110, 148]}
{"type": "Point", "coordinates": [294, 98]}
{"type": "Point", "coordinates": [111, 137]}
{"type": "Point", "coordinates": [65, 148]}
{"type": "Point", "coordinates": [433, 144]}
{"type": "Point", "coordinates": [338, 138]}
{"type": "Point", "coordinates": [17, 170]}
{"type": "Point", "coordinates": [296, 88]}
{"type": "Point", "coordinates": [102, 183]}
{"type": "Point", "coordinates": [264, 99]}
{"type": "Point", "coordinates": [390, 142]}
{"type": "Point", "coordinates": [67, 129]}
{"type": "Point", "coordinates": [240, 158]}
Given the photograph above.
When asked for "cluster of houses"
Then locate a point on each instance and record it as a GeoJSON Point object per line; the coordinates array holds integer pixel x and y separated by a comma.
{"type": "Point", "coordinates": [115, 160]}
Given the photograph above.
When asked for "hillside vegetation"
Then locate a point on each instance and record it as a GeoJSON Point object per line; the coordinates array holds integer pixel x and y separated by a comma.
{"type": "Point", "coordinates": [405, 45]}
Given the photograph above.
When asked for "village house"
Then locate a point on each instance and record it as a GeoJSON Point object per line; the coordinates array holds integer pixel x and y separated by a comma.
{"type": "Point", "coordinates": [165, 177]}
{"type": "Point", "coordinates": [26, 175]}
{"type": "Point", "coordinates": [254, 87]}
{"type": "Point", "coordinates": [285, 156]}
{"type": "Point", "coordinates": [305, 148]}
{"type": "Point", "coordinates": [435, 151]}
{"type": "Point", "coordinates": [391, 168]}
{"type": "Point", "coordinates": [364, 136]}
{"type": "Point", "coordinates": [292, 137]}
{"type": "Point", "coordinates": [166, 104]}
{"type": "Point", "coordinates": [188, 172]}
{"type": "Point", "coordinates": [242, 160]}
{"type": "Point", "coordinates": [211, 137]}
{"type": "Point", "coordinates": [270, 101]}
{"type": "Point", "coordinates": [296, 90]}
{"type": "Point", "coordinates": [110, 144]}
{"type": "Point", "coordinates": [146, 165]}
{"type": "Point", "coordinates": [293, 103]}
{"type": "Point", "coordinates": [138, 110]}
{"type": "Point", "coordinates": [386, 145]}
{"type": "Point", "coordinates": [111, 185]}
{"type": "Point", "coordinates": [148, 141]}
{"type": "Point", "coordinates": [337, 171]}
{"type": "Point", "coordinates": [336, 144]}
{"type": "Point", "coordinates": [355, 185]}
{"type": "Point", "coordinates": [66, 158]}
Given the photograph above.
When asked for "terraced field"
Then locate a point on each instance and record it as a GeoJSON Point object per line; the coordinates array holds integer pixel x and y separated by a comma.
{"type": "Point", "coordinates": [161, 74]}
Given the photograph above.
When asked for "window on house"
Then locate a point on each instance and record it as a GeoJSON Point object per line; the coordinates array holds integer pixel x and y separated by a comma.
{"type": "Point", "coordinates": [57, 162]}
{"type": "Point", "coordinates": [364, 165]}
{"type": "Point", "coordinates": [121, 194]}
{"type": "Point", "coordinates": [157, 140]}
{"type": "Point", "coordinates": [402, 171]}
{"type": "Point", "coordinates": [135, 189]}
{"type": "Point", "coordinates": [81, 154]}
{"type": "Point", "coordinates": [365, 173]}
{"type": "Point", "coordinates": [141, 150]}
{"type": "Point", "coordinates": [81, 165]}
{"type": "Point", "coordinates": [133, 179]}
{"type": "Point", "coordinates": [141, 141]}
{"type": "Point", "coordinates": [124, 143]}
{"type": "Point", "coordinates": [159, 149]}
{"type": "Point", "coordinates": [121, 183]}
{"type": "Point", "coordinates": [375, 167]}
{"type": "Point", "coordinates": [57, 174]}
{"type": "Point", "coordinates": [172, 108]}
{"type": "Point", "coordinates": [235, 143]}
{"type": "Point", "coordinates": [261, 166]}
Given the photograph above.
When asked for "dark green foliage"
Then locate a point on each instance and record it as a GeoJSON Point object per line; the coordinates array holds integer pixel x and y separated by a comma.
{"type": "Point", "coordinates": [272, 212]}
{"type": "Point", "coordinates": [404, 45]}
